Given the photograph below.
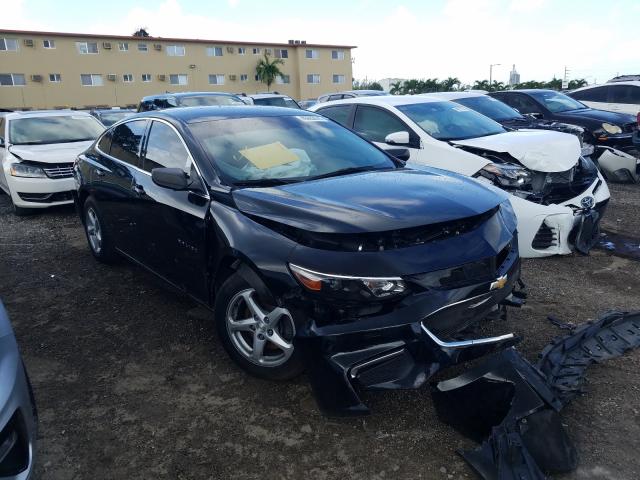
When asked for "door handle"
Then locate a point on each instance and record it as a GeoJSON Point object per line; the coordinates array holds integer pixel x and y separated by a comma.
{"type": "Point", "coordinates": [99, 172]}
{"type": "Point", "coordinates": [139, 189]}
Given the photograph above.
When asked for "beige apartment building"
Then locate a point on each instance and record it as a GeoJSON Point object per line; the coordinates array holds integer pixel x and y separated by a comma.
{"type": "Point", "coordinates": [59, 70]}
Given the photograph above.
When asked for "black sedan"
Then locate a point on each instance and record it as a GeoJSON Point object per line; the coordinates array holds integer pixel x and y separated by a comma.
{"type": "Point", "coordinates": [605, 128]}
{"type": "Point", "coordinates": [311, 246]}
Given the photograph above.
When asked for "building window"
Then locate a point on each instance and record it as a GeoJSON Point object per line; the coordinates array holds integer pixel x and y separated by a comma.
{"type": "Point", "coordinates": [146, 77]}
{"type": "Point", "coordinates": [12, 79]}
{"type": "Point", "coordinates": [55, 77]}
{"type": "Point", "coordinates": [311, 53]}
{"type": "Point", "coordinates": [142, 47]}
{"type": "Point", "coordinates": [175, 50]}
{"type": "Point", "coordinates": [268, 51]}
{"type": "Point", "coordinates": [216, 79]}
{"type": "Point", "coordinates": [87, 47]}
{"type": "Point", "coordinates": [178, 79]}
{"type": "Point", "coordinates": [91, 80]}
{"type": "Point", "coordinates": [256, 51]}
{"type": "Point", "coordinates": [49, 44]}
{"type": "Point", "coordinates": [214, 51]}
{"type": "Point", "coordinates": [283, 53]}
{"type": "Point", "coordinates": [127, 78]}
{"type": "Point", "coordinates": [283, 79]}
{"type": "Point", "coordinates": [242, 50]}
{"type": "Point", "coordinates": [338, 78]}
{"type": "Point", "coordinates": [337, 54]}
{"type": "Point", "coordinates": [313, 78]}
{"type": "Point", "coordinates": [244, 77]}
{"type": "Point", "coordinates": [123, 46]}
{"type": "Point", "coordinates": [9, 44]}
{"type": "Point", "coordinates": [256, 78]}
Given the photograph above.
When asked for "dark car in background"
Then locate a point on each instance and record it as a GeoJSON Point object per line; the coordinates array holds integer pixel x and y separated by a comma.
{"type": "Point", "coordinates": [187, 99]}
{"type": "Point", "coordinates": [273, 100]}
{"type": "Point", "coordinates": [328, 97]}
{"type": "Point", "coordinates": [312, 246]}
{"type": "Point", "coordinates": [109, 116]}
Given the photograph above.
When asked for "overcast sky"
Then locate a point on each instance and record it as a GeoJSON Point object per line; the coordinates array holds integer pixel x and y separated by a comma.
{"type": "Point", "coordinates": [406, 39]}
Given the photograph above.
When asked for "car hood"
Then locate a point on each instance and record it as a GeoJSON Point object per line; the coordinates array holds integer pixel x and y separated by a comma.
{"type": "Point", "coordinates": [539, 150]}
{"type": "Point", "coordinates": [370, 202]}
{"type": "Point", "coordinates": [50, 153]}
{"type": "Point", "coordinates": [615, 118]}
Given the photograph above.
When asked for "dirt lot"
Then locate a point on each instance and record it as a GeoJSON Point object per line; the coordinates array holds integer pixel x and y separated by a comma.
{"type": "Point", "coordinates": [131, 381]}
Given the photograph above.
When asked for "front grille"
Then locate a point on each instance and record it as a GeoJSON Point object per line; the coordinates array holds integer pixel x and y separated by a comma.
{"type": "Point", "coordinates": [46, 197]}
{"type": "Point", "coordinates": [58, 170]}
{"type": "Point", "coordinates": [546, 237]}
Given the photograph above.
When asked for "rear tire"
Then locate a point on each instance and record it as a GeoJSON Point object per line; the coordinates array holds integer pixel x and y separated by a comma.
{"type": "Point", "coordinates": [258, 337]}
{"type": "Point", "coordinates": [98, 237]}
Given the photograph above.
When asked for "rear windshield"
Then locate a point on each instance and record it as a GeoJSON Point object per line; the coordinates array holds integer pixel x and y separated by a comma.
{"type": "Point", "coordinates": [285, 148]}
{"type": "Point", "coordinates": [276, 102]}
{"type": "Point", "coordinates": [490, 107]}
{"type": "Point", "coordinates": [58, 129]}
{"type": "Point", "coordinates": [450, 121]}
{"type": "Point", "coordinates": [110, 118]}
{"type": "Point", "coordinates": [209, 100]}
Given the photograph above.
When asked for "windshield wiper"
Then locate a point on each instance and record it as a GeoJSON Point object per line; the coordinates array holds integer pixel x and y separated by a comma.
{"type": "Point", "coordinates": [346, 171]}
{"type": "Point", "coordinates": [264, 182]}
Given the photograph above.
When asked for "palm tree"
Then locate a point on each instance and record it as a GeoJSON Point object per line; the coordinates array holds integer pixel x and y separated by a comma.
{"type": "Point", "coordinates": [397, 88]}
{"type": "Point", "coordinates": [450, 84]}
{"type": "Point", "coordinates": [268, 70]}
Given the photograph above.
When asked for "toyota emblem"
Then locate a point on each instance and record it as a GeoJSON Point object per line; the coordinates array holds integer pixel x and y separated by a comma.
{"type": "Point", "coordinates": [588, 202]}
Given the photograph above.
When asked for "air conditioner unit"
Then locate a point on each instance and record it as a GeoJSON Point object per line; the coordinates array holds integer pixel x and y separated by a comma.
{"type": "Point", "coordinates": [36, 78]}
{"type": "Point", "coordinates": [28, 42]}
{"type": "Point", "coordinates": [229, 49]}
{"type": "Point", "coordinates": [157, 46]}
{"type": "Point", "coordinates": [106, 45]}
{"type": "Point", "coordinates": [112, 77]}
{"type": "Point", "coordinates": [232, 77]}
{"type": "Point", "coordinates": [192, 66]}
{"type": "Point", "coordinates": [303, 42]}
{"type": "Point", "coordinates": [162, 78]}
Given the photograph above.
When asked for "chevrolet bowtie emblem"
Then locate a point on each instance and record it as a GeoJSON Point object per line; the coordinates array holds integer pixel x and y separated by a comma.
{"type": "Point", "coordinates": [498, 283]}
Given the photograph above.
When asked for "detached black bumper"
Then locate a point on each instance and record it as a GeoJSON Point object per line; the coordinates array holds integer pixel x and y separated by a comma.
{"type": "Point", "coordinates": [404, 348]}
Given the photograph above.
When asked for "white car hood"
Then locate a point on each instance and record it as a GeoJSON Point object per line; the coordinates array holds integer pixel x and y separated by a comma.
{"type": "Point", "coordinates": [538, 150]}
{"type": "Point", "coordinates": [50, 153]}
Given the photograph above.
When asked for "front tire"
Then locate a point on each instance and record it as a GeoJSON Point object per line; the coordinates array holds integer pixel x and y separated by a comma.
{"type": "Point", "coordinates": [258, 337]}
{"type": "Point", "coordinates": [99, 239]}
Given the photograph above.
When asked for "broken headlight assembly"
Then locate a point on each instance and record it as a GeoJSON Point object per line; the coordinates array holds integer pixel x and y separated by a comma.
{"type": "Point", "coordinates": [348, 287]}
{"type": "Point", "coordinates": [26, 170]}
{"type": "Point", "coordinates": [506, 175]}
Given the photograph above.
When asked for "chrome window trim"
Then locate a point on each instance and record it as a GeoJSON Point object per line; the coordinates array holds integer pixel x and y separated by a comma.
{"type": "Point", "coordinates": [147, 128]}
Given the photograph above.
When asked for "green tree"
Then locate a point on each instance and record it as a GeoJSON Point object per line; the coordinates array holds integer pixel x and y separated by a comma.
{"type": "Point", "coordinates": [450, 84]}
{"type": "Point", "coordinates": [268, 70]}
{"type": "Point", "coordinates": [577, 83]}
{"type": "Point", "coordinates": [397, 88]}
{"type": "Point", "coordinates": [366, 85]}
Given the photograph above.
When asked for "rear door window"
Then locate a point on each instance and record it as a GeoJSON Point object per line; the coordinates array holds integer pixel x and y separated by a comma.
{"type": "Point", "coordinates": [375, 124]}
{"type": "Point", "coordinates": [104, 145]}
{"type": "Point", "coordinates": [597, 94]}
{"type": "Point", "coordinates": [338, 114]}
{"type": "Point", "coordinates": [127, 138]}
{"type": "Point", "coordinates": [624, 94]}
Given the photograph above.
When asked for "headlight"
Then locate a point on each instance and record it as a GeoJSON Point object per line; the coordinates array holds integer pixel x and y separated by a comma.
{"type": "Point", "coordinates": [612, 129]}
{"type": "Point", "coordinates": [506, 175]}
{"type": "Point", "coordinates": [26, 170]}
{"type": "Point", "coordinates": [347, 287]}
{"type": "Point", "coordinates": [508, 215]}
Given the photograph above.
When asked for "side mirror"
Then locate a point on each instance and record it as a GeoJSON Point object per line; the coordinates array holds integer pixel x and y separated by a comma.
{"type": "Point", "coordinates": [397, 138]}
{"type": "Point", "coordinates": [400, 153]}
{"type": "Point", "coordinates": [535, 115]}
{"type": "Point", "coordinates": [173, 178]}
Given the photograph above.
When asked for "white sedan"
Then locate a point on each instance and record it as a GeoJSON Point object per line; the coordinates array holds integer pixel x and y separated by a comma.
{"type": "Point", "coordinates": [37, 151]}
{"type": "Point", "coordinates": [558, 195]}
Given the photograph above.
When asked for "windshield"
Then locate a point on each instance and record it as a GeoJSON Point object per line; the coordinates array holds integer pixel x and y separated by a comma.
{"type": "Point", "coordinates": [110, 118]}
{"type": "Point", "coordinates": [209, 100]}
{"type": "Point", "coordinates": [450, 121]}
{"type": "Point", "coordinates": [58, 129]}
{"type": "Point", "coordinates": [285, 148]}
{"type": "Point", "coordinates": [276, 102]}
{"type": "Point", "coordinates": [557, 102]}
{"type": "Point", "coordinates": [490, 107]}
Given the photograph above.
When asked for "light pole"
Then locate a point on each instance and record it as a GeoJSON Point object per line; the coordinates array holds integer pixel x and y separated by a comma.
{"type": "Point", "coordinates": [491, 74]}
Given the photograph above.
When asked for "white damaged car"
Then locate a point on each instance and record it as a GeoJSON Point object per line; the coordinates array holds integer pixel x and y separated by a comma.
{"type": "Point", "coordinates": [558, 195]}
{"type": "Point", "coordinates": [37, 151]}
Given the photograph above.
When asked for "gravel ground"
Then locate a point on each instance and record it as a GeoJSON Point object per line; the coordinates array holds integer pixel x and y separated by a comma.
{"type": "Point", "coordinates": [131, 381]}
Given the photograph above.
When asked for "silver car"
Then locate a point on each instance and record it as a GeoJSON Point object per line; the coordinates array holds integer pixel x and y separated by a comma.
{"type": "Point", "coordinates": [18, 416]}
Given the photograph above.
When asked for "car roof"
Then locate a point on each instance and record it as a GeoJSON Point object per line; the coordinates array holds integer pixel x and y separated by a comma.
{"type": "Point", "coordinates": [453, 95]}
{"type": "Point", "coordinates": [188, 94]}
{"type": "Point", "coordinates": [268, 95]}
{"type": "Point", "coordinates": [197, 114]}
{"type": "Point", "coordinates": [635, 83]}
{"type": "Point", "coordinates": [47, 113]}
{"type": "Point", "coordinates": [391, 100]}
{"type": "Point", "coordinates": [528, 90]}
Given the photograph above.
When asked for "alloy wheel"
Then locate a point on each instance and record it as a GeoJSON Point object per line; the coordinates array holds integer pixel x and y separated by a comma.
{"type": "Point", "coordinates": [264, 337]}
{"type": "Point", "coordinates": [94, 231]}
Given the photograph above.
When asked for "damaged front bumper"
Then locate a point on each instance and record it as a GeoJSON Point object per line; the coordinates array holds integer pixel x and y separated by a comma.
{"type": "Point", "coordinates": [617, 165]}
{"type": "Point", "coordinates": [404, 348]}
